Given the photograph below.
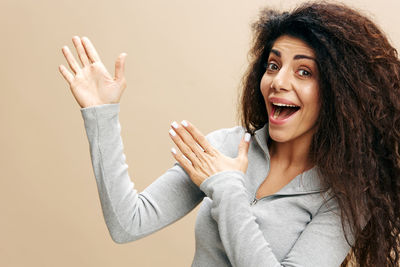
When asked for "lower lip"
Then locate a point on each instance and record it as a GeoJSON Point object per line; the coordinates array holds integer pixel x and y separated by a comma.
{"type": "Point", "coordinates": [279, 121]}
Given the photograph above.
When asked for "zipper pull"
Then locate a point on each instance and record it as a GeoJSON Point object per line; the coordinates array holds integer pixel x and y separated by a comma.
{"type": "Point", "coordinates": [253, 202]}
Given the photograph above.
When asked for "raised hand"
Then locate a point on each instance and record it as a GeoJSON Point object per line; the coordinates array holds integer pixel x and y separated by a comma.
{"type": "Point", "coordinates": [92, 84]}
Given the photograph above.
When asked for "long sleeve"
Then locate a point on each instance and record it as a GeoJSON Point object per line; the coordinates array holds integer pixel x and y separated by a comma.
{"type": "Point", "coordinates": [321, 243]}
{"type": "Point", "coordinates": [130, 215]}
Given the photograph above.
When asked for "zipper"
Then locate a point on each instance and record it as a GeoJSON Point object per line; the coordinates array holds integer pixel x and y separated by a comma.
{"type": "Point", "coordinates": [267, 157]}
{"type": "Point", "coordinates": [253, 202]}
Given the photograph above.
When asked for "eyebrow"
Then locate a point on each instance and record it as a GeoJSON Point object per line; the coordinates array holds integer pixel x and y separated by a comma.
{"type": "Point", "coordinates": [277, 53]}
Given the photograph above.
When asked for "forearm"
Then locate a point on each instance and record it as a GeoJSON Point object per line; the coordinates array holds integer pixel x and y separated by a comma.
{"type": "Point", "coordinates": [129, 215]}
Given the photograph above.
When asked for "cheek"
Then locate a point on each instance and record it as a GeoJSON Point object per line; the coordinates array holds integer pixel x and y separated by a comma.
{"type": "Point", "coordinates": [309, 92]}
{"type": "Point", "coordinates": [311, 99]}
{"type": "Point", "coordinates": [265, 86]}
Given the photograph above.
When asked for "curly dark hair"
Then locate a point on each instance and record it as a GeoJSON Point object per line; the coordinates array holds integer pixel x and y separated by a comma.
{"type": "Point", "coordinates": [357, 142]}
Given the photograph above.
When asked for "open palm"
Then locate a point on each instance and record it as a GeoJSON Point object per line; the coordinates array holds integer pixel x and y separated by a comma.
{"type": "Point", "coordinates": [92, 84]}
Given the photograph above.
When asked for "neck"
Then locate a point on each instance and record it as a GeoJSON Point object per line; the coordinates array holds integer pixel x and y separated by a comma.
{"type": "Point", "coordinates": [292, 154]}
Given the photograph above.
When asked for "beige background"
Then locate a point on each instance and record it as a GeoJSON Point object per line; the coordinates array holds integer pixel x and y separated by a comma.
{"type": "Point", "coordinates": [185, 60]}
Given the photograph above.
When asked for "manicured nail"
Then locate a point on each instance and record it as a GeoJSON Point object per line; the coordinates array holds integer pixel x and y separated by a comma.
{"type": "Point", "coordinates": [172, 132]}
{"type": "Point", "coordinates": [247, 137]}
{"type": "Point", "coordinates": [175, 125]}
{"type": "Point", "coordinates": [173, 150]}
{"type": "Point", "coordinates": [184, 123]}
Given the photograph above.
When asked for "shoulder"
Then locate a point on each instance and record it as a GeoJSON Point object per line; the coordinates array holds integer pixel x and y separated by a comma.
{"type": "Point", "coordinates": [226, 139]}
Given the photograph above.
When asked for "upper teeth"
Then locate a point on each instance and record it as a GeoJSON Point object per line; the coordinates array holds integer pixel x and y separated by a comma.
{"type": "Point", "coordinates": [284, 105]}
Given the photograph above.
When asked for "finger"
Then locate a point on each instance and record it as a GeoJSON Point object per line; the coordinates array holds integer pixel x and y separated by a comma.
{"type": "Point", "coordinates": [81, 51]}
{"type": "Point", "coordinates": [198, 137]}
{"type": "Point", "coordinates": [183, 161]}
{"type": "Point", "coordinates": [184, 148]}
{"type": "Point", "coordinates": [90, 50]}
{"type": "Point", "coordinates": [188, 140]}
{"type": "Point", "coordinates": [71, 60]}
{"type": "Point", "coordinates": [244, 146]}
{"type": "Point", "coordinates": [120, 67]}
{"type": "Point", "coordinates": [66, 74]}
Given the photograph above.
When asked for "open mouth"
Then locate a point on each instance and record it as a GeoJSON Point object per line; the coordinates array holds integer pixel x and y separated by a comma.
{"type": "Point", "coordinates": [283, 111]}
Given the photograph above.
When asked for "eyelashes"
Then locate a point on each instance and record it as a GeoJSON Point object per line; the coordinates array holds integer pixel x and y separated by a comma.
{"type": "Point", "coordinates": [267, 66]}
{"type": "Point", "coordinates": [272, 67]}
{"type": "Point", "coordinates": [306, 72]}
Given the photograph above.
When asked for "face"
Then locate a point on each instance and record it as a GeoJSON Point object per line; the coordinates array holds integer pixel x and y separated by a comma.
{"type": "Point", "coordinates": [291, 91]}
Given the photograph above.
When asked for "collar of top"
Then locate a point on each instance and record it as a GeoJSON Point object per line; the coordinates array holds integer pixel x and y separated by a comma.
{"type": "Point", "coordinates": [304, 183]}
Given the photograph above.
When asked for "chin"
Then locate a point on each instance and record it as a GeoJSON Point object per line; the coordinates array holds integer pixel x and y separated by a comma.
{"type": "Point", "coordinates": [279, 136]}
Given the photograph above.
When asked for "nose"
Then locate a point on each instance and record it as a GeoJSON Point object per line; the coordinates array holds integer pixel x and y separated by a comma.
{"type": "Point", "coordinates": [282, 80]}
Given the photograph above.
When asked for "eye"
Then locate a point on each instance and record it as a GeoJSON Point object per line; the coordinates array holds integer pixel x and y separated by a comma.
{"type": "Point", "coordinates": [304, 73]}
{"type": "Point", "coordinates": [271, 66]}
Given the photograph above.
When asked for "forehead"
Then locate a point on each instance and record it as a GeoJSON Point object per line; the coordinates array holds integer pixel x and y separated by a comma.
{"type": "Point", "coordinates": [292, 46]}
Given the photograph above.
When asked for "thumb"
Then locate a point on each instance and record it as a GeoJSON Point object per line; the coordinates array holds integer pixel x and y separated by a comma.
{"type": "Point", "coordinates": [244, 146]}
{"type": "Point", "coordinates": [120, 67]}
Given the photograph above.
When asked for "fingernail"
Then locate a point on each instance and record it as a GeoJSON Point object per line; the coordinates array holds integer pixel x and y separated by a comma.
{"type": "Point", "coordinates": [184, 123]}
{"type": "Point", "coordinates": [173, 150]}
{"type": "Point", "coordinates": [172, 132]}
{"type": "Point", "coordinates": [175, 125]}
{"type": "Point", "coordinates": [247, 137]}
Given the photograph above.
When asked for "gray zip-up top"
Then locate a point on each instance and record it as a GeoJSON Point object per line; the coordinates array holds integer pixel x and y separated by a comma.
{"type": "Point", "coordinates": [293, 227]}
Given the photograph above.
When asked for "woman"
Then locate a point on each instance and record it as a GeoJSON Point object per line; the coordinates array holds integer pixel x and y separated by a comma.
{"type": "Point", "coordinates": [317, 177]}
